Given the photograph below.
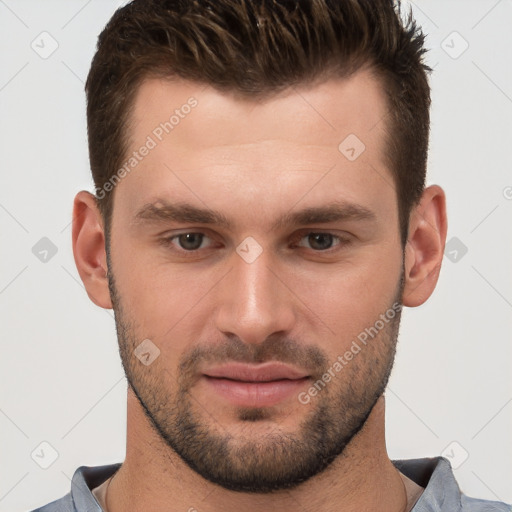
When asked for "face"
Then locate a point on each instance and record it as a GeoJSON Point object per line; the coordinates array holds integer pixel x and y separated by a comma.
{"type": "Point", "coordinates": [257, 248]}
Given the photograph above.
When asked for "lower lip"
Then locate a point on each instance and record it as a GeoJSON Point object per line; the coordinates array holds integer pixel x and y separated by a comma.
{"type": "Point", "coordinates": [255, 394]}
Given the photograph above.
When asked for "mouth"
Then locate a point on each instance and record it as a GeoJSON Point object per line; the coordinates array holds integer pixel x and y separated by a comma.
{"type": "Point", "coordinates": [260, 385]}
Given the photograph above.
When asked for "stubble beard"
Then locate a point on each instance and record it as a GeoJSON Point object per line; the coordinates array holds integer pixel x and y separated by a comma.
{"type": "Point", "coordinates": [274, 459]}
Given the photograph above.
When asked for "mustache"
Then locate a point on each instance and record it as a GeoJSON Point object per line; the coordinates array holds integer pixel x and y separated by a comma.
{"type": "Point", "coordinates": [275, 348]}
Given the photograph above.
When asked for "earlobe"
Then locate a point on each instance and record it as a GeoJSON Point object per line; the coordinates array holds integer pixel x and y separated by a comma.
{"type": "Point", "coordinates": [425, 246]}
{"type": "Point", "coordinates": [89, 248]}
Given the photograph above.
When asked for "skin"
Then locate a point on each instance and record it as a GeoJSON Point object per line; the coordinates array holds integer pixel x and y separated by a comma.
{"type": "Point", "coordinates": [254, 161]}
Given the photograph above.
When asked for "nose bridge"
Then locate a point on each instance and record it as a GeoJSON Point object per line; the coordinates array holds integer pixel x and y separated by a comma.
{"type": "Point", "coordinates": [254, 303]}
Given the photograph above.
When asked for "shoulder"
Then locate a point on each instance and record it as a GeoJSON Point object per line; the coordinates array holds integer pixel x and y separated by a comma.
{"type": "Point", "coordinates": [476, 505]}
{"type": "Point", "coordinates": [441, 490]}
{"type": "Point", "coordinates": [64, 504]}
{"type": "Point", "coordinates": [81, 498]}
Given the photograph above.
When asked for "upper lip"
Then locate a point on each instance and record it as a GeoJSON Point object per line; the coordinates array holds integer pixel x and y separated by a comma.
{"type": "Point", "coordinates": [265, 372]}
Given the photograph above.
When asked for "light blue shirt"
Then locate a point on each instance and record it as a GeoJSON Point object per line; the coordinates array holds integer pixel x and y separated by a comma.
{"type": "Point", "coordinates": [441, 494]}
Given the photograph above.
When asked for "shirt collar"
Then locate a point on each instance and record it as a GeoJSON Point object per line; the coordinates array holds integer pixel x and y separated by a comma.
{"type": "Point", "coordinates": [434, 474]}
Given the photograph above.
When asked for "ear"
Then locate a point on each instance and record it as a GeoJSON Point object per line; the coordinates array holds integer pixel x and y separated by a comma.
{"type": "Point", "coordinates": [425, 246]}
{"type": "Point", "coordinates": [89, 248]}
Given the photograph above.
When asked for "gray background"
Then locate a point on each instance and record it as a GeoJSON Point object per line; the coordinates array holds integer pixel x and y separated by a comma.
{"type": "Point", "coordinates": [61, 379]}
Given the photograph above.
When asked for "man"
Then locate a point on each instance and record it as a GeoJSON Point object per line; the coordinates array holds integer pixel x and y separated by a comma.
{"type": "Point", "coordinates": [259, 220]}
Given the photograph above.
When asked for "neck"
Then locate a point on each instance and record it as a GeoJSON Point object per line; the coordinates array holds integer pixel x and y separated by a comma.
{"type": "Point", "coordinates": [154, 477]}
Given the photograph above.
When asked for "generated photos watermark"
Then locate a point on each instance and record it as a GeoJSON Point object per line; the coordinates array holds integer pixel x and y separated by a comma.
{"type": "Point", "coordinates": [152, 141]}
{"type": "Point", "coordinates": [343, 360]}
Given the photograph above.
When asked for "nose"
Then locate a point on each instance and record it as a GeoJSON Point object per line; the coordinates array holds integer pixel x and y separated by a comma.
{"type": "Point", "coordinates": [254, 300]}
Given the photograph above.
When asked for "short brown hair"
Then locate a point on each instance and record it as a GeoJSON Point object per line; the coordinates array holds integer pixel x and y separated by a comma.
{"type": "Point", "coordinates": [256, 48]}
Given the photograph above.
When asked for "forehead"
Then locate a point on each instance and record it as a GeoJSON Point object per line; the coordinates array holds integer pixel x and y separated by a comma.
{"type": "Point", "coordinates": [212, 145]}
{"type": "Point", "coordinates": [306, 115]}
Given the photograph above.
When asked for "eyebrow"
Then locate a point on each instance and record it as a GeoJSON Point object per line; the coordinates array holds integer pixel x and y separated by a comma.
{"type": "Point", "coordinates": [163, 211]}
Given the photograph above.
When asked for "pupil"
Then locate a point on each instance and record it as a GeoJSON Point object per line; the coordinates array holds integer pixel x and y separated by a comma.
{"type": "Point", "coordinates": [190, 241]}
{"type": "Point", "coordinates": [320, 240]}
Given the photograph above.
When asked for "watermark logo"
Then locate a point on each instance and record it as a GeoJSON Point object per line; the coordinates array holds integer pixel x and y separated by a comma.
{"type": "Point", "coordinates": [44, 250]}
{"type": "Point", "coordinates": [454, 45]}
{"type": "Point", "coordinates": [146, 352]}
{"type": "Point", "coordinates": [44, 45]}
{"type": "Point", "coordinates": [456, 454]}
{"type": "Point", "coordinates": [351, 147]}
{"type": "Point", "coordinates": [249, 250]}
{"type": "Point", "coordinates": [44, 455]}
{"type": "Point", "coordinates": [455, 249]}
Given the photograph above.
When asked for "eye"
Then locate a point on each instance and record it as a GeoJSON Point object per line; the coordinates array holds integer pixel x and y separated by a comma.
{"type": "Point", "coordinates": [192, 242]}
{"type": "Point", "coordinates": [320, 241]}
{"type": "Point", "coordinates": [188, 242]}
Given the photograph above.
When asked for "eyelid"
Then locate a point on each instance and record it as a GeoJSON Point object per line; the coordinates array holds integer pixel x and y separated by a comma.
{"type": "Point", "coordinates": [166, 241]}
{"type": "Point", "coordinates": [190, 232]}
{"type": "Point", "coordinates": [342, 239]}
{"type": "Point", "coordinates": [320, 233]}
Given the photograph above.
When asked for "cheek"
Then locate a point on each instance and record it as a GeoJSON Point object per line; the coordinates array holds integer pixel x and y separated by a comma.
{"type": "Point", "coordinates": [162, 302]}
{"type": "Point", "coordinates": [352, 298]}
{"type": "Point", "coordinates": [143, 295]}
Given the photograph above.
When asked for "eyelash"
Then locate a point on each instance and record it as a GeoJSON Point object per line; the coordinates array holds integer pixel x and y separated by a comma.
{"type": "Point", "coordinates": [341, 242]}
